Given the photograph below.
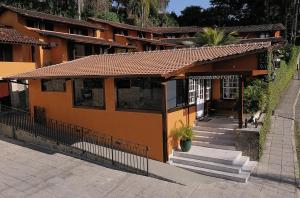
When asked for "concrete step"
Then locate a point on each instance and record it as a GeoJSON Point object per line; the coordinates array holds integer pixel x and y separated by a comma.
{"type": "Point", "coordinates": [238, 177]}
{"type": "Point", "coordinates": [215, 140]}
{"type": "Point", "coordinates": [215, 129]}
{"type": "Point", "coordinates": [210, 155]}
{"type": "Point", "coordinates": [206, 164]}
{"type": "Point", "coordinates": [250, 166]}
{"type": "Point", "coordinates": [230, 134]}
{"type": "Point", "coordinates": [211, 145]}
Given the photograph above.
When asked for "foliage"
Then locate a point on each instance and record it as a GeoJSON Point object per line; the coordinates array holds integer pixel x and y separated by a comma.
{"type": "Point", "coordinates": [255, 96]}
{"type": "Point", "coordinates": [213, 36]}
{"type": "Point", "coordinates": [110, 16]}
{"type": "Point", "coordinates": [184, 132]}
{"type": "Point", "coordinates": [283, 75]}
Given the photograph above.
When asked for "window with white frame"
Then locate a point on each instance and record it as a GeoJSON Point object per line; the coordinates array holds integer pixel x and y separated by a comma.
{"type": "Point", "coordinates": [230, 88]}
{"type": "Point", "coordinates": [192, 89]}
{"type": "Point", "coordinates": [208, 90]}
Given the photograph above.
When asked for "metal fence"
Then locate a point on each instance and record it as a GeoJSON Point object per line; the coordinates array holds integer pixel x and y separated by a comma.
{"type": "Point", "coordinates": [121, 153]}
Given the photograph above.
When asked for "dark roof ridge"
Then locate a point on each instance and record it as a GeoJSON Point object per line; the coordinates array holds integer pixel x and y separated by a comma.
{"type": "Point", "coordinates": [47, 16]}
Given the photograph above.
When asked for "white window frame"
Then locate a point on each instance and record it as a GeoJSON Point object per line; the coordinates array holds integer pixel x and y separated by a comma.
{"type": "Point", "coordinates": [208, 90]}
{"type": "Point", "coordinates": [192, 90]}
{"type": "Point", "coordinates": [230, 88]}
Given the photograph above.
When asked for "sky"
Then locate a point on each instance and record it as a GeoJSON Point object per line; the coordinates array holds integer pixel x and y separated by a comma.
{"type": "Point", "coordinates": [179, 5]}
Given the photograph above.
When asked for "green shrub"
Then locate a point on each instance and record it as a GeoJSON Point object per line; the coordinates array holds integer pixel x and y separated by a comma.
{"type": "Point", "coordinates": [255, 96]}
{"type": "Point", "coordinates": [283, 76]}
{"type": "Point", "coordinates": [184, 132]}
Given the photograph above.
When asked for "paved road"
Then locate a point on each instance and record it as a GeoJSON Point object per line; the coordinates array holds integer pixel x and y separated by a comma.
{"type": "Point", "coordinates": [26, 172]}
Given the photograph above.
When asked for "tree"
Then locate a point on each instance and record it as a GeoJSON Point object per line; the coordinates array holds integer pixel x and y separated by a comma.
{"type": "Point", "coordinates": [213, 36]}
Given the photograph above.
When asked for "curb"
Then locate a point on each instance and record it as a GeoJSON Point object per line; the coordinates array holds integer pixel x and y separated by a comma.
{"type": "Point", "coordinates": [294, 141]}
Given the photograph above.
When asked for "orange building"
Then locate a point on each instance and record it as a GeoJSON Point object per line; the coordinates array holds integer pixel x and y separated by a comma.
{"type": "Point", "coordinates": [17, 55]}
{"type": "Point", "coordinates": [60, 39]}
{"type": "Point", "coordinates": [141, 97]}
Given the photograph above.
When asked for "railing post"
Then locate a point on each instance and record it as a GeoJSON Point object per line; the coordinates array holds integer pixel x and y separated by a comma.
{"type": "Point", "coordinates": [82, 143]}
{"type": "Point", "coordinates": [57, 132]}
{"type": "Point", "coordinates": [147, 150]}
{"type": "Point", "coordinates": [112, 150]}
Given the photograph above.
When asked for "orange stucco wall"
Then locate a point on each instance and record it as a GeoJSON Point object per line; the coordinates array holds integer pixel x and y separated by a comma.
{"type": "Point", "coordinates": [142, 128]}
{"type": "Point", "coordinates": [187, 116]}
{"type": "Point", "coordinates": [216, 89]}
{"type": "Point", "coordinates": [12, 68]}
{"type": "Point", "coordinates": [121, 39]}
{"type": "Point", "coordinates": [22, 53]}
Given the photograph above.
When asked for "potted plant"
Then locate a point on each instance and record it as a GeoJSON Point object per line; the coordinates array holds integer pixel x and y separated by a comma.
{"type": "Point", "coordinates": [185, 135]}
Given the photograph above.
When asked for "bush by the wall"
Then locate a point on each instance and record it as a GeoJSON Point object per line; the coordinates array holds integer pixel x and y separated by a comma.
{"type": "Point", "coordinates": [282, 75]}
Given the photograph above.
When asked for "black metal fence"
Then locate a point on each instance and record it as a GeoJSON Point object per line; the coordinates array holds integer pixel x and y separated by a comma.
{"type": "Point", "coordinates": [121, 153]}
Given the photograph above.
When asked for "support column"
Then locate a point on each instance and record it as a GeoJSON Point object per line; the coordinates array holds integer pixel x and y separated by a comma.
{"type": "Point", "coordinates": [241, 101]}
{"type": "Point", "coordinates": [164, 122]}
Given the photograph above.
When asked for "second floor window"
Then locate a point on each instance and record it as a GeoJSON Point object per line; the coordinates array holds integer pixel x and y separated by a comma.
{"type": "Point", "coordinates": [42, 25]}
{"type": "Point", "coordinates": [79, 31]}
{"type": "Point", "coordinates": [6, 53]}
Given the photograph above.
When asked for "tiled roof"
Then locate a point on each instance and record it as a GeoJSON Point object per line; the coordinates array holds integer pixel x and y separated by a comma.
{"type": "Point", "coordinates": [120, 25]}
{"type": "Point", "coordinates": [8, 35]}
{"type": "Point", "coordinates": [157, 30]}
{"type": "Point", "coordinates": [80, 38]}
{"type": "Point", "coordinates": [166, 30]}
{"type": "Point", "coordinates": [49, 17]}
{"type": "Point", "coordinates": [151, 41]}
{"type": "Point", "coordinates": [163, 63]}
{"type": "Point", "coordinates": [256, 28]}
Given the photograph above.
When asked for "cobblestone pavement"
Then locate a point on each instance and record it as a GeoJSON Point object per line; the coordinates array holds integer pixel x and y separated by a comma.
{"type": "Point", "coordinates": [26, 172]}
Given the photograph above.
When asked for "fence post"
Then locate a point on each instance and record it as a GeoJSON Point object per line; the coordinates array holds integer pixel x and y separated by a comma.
{"type": "Point", "coordinates": [82, 141]}
{"type": "Point", "coordinates": [112, 150]}
{"type": "Point", "coordinates": [147, 149]}
{"type": "Point", "coordinates": [57, 132]}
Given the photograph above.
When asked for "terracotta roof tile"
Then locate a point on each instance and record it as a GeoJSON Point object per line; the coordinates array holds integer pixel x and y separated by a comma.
{"type": "Point", "coordinates": [8, 35]}
{"type": "Point", "coordinates": [152, 41]}
{"type": "Point", "coordinates": [50, 17]}
{"type": "Point", "coordinates": [256, 28]}
{"type": "Point", "coordinates": [80, 38]}
{"type": "Point", "coordinates": [156, 63]}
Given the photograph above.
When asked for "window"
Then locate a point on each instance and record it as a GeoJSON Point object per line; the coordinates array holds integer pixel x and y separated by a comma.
{"type": "Point", "coordinates": [192, 90]}
{"type": "Point", "coordinates": [43, 25]}
{"type": "Point", "coordinates": [139, 93]}
{"type": "Point", "coordinates": [230, 88]}
{"type": "Point", "coordinates": [176, 93]}
{"type": "Point", "coordinates": [149, 47]}
{"type": "Point", "coordinates": [6, 53]}
{"type": "Point", "coordinates": [89, 93]}
{"type": "Point", "coordinates": [208, 90]}
{"type": "Point", "coordinates": [121, 32]}
{"type": "Point", "coordinates": [79, 31]}
{"type": "Point", "coordinates": [76, 50]}
{"type": "Point", "coordinates": [56, 85]}
{"type": "Point", "coordinates": [141, 35]}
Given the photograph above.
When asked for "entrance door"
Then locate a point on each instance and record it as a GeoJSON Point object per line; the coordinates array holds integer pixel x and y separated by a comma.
{"type": "Point", "coordinates": [200, 97]}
